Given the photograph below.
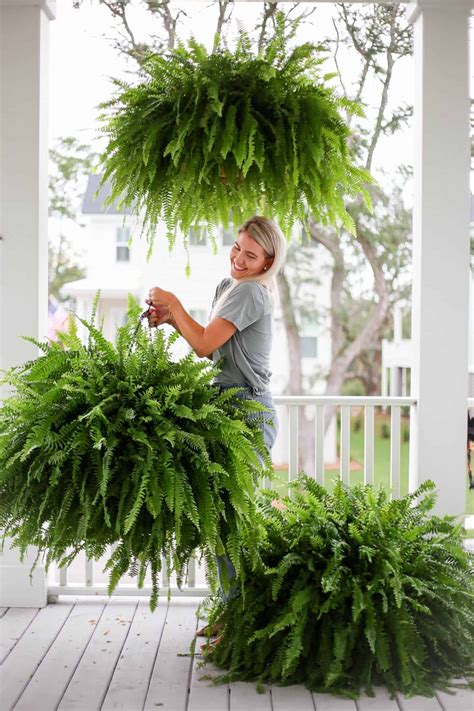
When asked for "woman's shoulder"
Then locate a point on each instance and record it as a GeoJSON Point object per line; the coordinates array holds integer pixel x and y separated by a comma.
{"type": "Point", "coordinates": [222, 286]}
{"type": "Point", "coordinates": [224, 283]}
{"type": "Point", "coordinates": [254, 288]}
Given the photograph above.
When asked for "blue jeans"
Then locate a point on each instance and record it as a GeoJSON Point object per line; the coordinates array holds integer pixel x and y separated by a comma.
{"type": "Point", "coordinates": [269, 432]}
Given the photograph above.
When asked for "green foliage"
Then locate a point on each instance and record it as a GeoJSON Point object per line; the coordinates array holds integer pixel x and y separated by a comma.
{"type": "Point", "coordinates": [212, 137]}
{"type": "Point", "coordinates": [103, 444]}
{"type": "Point", "coordinates": [385, 430]}
{"type": "Point", "coordinates": [352, 590]}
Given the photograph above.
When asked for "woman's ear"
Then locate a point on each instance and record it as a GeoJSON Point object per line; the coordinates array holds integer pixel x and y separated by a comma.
{"type": "Point", "coordinates": [268, 264]}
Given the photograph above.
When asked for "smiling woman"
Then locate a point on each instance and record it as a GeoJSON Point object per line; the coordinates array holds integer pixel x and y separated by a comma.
{"type": "Point", "coordinates": [239, 333]}
{"type": "Point", "coordinates": [238, 336]}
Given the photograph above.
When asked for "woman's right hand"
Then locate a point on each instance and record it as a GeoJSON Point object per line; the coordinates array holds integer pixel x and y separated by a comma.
{"type": "Point", "coordinates": [158, 316]}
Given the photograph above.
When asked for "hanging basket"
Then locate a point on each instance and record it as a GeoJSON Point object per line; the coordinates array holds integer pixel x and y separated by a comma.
{"type": "Point", "coordinates": [216, 137]}
{"type": "Point", "coordinates": [104, 444]}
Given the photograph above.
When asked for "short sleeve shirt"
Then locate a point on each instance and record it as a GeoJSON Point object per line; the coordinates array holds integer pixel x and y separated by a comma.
{"type": "Point", "coordinates": [246, 355]}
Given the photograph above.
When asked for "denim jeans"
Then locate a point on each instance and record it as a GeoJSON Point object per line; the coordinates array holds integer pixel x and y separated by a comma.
{"type": "Point", "coordinates": [269, 431]}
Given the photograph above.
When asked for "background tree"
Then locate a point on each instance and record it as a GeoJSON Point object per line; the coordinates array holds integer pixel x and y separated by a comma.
{"type": "Point", "coordinates": [380, 36]}
{"type": "Point", "coordinates": [70, 164]}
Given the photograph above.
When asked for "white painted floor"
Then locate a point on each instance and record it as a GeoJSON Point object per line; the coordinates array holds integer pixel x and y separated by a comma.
{"type": "Point", "coordinates": [86, 654]}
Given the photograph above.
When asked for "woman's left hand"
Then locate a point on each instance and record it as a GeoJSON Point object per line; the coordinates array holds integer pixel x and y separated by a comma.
{"type": "Point", "coordinates": [160, 298]}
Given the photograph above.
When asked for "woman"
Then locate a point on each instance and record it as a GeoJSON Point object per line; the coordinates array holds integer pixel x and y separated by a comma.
{"type": "Point", "coordinates": [240, 326]}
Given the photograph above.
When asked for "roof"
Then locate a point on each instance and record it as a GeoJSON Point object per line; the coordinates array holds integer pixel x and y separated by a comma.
{"type": "Point", "coordinates": [93, 206]}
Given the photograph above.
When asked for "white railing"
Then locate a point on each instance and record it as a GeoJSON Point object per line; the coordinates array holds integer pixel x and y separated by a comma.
{"type": "Point", "coordinates": [345, 404]}
{"type": "Point", "coordinates": [61, 583]}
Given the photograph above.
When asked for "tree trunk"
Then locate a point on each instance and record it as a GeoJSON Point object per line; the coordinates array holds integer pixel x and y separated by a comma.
{"type": "Point", "coordinates": [295, 384]}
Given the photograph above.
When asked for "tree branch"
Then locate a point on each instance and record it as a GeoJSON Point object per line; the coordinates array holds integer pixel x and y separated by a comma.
{"type": "Point", "coordinates": [384, 95]}
{"type": "Point", "coordinates": [269, 11]}
{"type": "Point", "coordinates": [222, 19]}
{"type": "Point", "coordinates": [331, 243]}
{"type": "Point", "coordinates": [367, 334]}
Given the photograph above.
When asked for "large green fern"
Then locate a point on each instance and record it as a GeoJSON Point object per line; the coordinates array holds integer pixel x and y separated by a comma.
{"type": "Point", "coordinates": [209, 137]}
{"type": "Point", "coordinates": [352, 590]}
{"type": "Point", "coordinates": [102, 444]}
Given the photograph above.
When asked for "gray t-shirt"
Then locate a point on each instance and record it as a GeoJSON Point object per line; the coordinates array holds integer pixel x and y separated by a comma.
{"type": "Point", "coordinates": [247, 353]}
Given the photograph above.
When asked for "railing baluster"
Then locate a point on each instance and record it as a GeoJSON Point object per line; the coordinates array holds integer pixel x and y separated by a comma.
{"type": "Point", "coordinates": [164, 573]}
{"type": "Point", "coordinates": [319, 444]}
{"type": "Point", "coordinates": [369, 442]}
{"type": "Point", "coordinates": [395, 452]}
{"type": "Point", "coordinates": [192, 572]}
{"type": "Point", "coordinates": [63, 576]}
{"type": "Point", "coordinates": [345, 448]}
{"type": "Point", "coordinates": [89, 572]}
{"type": "Point", "coordinates": [293, 443]}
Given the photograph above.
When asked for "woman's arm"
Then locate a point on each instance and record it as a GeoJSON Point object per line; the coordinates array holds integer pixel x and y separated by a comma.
{"type": "Point", "coordinates": [204, 340]}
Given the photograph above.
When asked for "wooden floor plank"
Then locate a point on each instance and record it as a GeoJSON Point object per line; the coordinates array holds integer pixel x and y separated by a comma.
{"type": "Point", "coordinates": [129, 685]}
{"type": "Point", "coordinates": [329, 702]}
{"type": "Point", "coordinates": [49, 656]}
{"type": "Point", "coordinates": [244, 696]}
{"type": "Point", "coordinates": [381, 701]}
{"type": "Point", "coordinates": [290, 698]}
{"type": "Point", "coordinates": [169, 683]}
{"type": "Point", "coordinates": [202, 694]}
{"type": "Point", "coordinates": [12, 626]}
{"type": "Point", "coordinates": [418, 703]}
{"type": "Point", "coordinates": [24, 659]}
{"type": "Point", "coordinates": [463, 700]}
{"type": "Point", "coordinates": [53, 675]}
{"type": "Point", "coordinates": [91, 679]}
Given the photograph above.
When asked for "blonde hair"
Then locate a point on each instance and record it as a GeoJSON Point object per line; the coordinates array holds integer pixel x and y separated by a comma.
{"type": "Point", "coordinates": [269, 236]}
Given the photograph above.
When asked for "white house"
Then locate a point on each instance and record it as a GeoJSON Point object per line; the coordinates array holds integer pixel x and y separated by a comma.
{"type": "Point", "coordinates": [116, 264]}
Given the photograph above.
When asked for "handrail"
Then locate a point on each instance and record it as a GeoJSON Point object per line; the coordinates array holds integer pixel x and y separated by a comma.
{"type": "Point", "coordinates": [347, 400]}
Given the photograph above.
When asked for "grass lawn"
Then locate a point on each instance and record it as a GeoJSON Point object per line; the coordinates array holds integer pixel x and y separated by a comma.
{"type": "Point", "coordinates": [381, 462]}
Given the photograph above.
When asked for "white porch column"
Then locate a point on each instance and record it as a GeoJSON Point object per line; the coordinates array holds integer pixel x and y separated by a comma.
{"type": "Point", "coordinates": [441, 249]}
{"type": "Point", "coordinates": [24, 33]}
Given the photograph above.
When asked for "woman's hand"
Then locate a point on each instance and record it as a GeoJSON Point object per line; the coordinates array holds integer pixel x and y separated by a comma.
{"type": "Point", "coordinates": [160, 298]}
{"type": "Point", "coordinates": [159, 316]}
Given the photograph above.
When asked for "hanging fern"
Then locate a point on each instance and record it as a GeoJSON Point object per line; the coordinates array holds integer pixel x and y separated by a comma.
{"type": "Point", "coordinates": [352, 590]}
{"type": "Point", "coordinates": [212, 137]}
{"type": "Point", "coordinates": [102, 444]}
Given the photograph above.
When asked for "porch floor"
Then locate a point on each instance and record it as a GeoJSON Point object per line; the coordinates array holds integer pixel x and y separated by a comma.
{"type": "Point", "coordinates": [84, 654]}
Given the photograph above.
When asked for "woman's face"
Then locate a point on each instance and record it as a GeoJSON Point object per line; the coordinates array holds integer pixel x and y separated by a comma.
{"type": "Point", "coordinates": [247, 257]}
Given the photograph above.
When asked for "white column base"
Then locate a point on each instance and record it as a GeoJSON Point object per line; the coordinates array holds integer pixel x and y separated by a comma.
{"type": "Point", "coordinates": [16, 588]}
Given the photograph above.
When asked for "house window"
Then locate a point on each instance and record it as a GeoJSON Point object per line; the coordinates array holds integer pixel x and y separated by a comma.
{"type": "Point", "coordinates": [197, 236]}
{"type": "Point", "coordinates": [122, 250]}
{"type": "Point", "coordinates": [228, 236]}
{"type": "Point", "coordinates": [309, 346]}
